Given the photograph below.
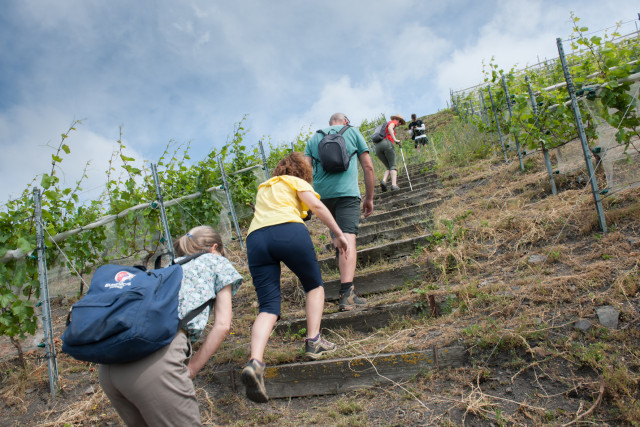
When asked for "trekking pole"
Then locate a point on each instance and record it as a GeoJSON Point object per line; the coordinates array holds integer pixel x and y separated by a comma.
{"type": "Point", "coordinates": [405, 168]}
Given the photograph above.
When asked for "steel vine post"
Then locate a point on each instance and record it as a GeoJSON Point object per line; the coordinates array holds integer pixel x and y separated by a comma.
{"type": "Point", "coordinates": [230, 200]}
{"type": "Point", "coordinates": [495, 115]}
{"type": "Point", "coordinates": [49, 343]}
{"type": "Point", "coordinates": [545, 152]}
{"type": "Point", "coordinates": [163, 213]}
{"type": "Point", "coordinates": [515, 136]}
{"type": "Point", "coordinates": [265, 167]}
{"type": "Point", "coordinates": [583, 137]}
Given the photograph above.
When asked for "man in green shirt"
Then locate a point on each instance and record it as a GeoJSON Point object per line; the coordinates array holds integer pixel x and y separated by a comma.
{"type": "Point", "coordinates": [340, 192]}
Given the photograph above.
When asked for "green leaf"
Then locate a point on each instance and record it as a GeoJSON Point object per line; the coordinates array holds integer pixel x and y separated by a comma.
{"type": "Point", "coordinates": [56, 158]}
{"type": "Point", "coordinates": [45, 182]}
{"type": "Point", "coordinates": [584, 29]}
{"type": "Point", "coordinates": [65, 148]}
{"type": "Point", "coordinates": [25, 245]}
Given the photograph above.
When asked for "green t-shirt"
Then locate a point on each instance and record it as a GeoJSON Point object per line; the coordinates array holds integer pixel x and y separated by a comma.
{"type": "Point", "coordinates": [341, 184]}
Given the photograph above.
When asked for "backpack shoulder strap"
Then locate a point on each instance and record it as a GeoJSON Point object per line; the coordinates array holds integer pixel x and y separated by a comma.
{"type": "Point", "coordinates": [193, 313]}
{"type": "Point", "coordinates": [344, 129]}
{"type": "Point", "coordinates": [321, 132]}
{"type": "Point", "coordinates": [189, 258]}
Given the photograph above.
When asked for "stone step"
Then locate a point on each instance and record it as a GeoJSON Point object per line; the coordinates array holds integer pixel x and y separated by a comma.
{"type": "Point", "coordinates": [325, 377]}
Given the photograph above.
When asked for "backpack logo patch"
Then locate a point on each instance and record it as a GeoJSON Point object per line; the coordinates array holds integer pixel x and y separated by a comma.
{"type": "Point", "coordinates": [122, 278]}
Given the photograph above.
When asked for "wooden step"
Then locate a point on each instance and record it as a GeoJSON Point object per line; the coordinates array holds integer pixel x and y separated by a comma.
{"type": "Point", "coordinates": [386, 252]}
{"type": "Point", "coordinates": [367, 319]}
{"type": "Point", "coordinates": [383, 280]}
{"type": "Point", "coordinates": [424, 207]}
{"type": "Point", "coordinates": [323, 377]}
{"type": "Point", "coordinates": [404, 200]}
{"type": "Point", "coordinates": [418, 185]}
{"type": "Point", "coordinates": [376, 227]}
{"type": "Point", "coordinates": [391, 233]}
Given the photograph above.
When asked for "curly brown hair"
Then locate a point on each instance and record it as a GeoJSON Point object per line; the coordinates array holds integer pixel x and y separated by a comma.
{"type": "Point", "coordinates": [296, 165]}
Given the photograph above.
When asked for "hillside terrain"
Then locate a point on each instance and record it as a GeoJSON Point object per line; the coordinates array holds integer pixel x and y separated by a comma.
{"type": "Point", "coordinates": [491, 302]}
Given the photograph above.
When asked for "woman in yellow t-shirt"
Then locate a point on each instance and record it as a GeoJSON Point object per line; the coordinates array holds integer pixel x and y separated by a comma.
{"type": "Point", "coordinates": [277, 234]}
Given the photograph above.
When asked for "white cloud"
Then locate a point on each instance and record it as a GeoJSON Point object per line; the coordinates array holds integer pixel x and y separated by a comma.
{"type": "Point", "coordinates": [28, 155]}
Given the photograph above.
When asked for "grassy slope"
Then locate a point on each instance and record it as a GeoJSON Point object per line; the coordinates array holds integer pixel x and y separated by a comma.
{"type": "Point", "coordinates": [514, 313]}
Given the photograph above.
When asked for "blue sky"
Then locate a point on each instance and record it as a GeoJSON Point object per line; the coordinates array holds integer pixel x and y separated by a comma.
{"type": "Point", "coordinates": [188, 70]}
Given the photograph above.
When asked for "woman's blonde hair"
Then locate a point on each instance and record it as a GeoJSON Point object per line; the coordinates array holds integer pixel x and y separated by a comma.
{"type": "Point", "coordinates": [198, 239]}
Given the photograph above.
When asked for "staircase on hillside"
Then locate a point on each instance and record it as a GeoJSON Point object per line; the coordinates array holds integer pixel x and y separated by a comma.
{"type": "Point", "coordinates": [386, 244]}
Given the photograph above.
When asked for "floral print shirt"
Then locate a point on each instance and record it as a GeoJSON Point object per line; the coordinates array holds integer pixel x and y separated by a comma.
{"type": "Point", "coordinates": [202, 279]}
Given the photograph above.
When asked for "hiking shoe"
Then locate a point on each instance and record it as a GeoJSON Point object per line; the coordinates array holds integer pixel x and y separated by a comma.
{"type": "Point", "coordinates": [349, 300]}
{"type": "Point", "coordinates": [394, 188]}
{"type": "Point", "coordinates": [383, 186]}
{"type": "Point", "coordinates": [253, 379]}
{"type": "Point", "coordinates": [315, 349]}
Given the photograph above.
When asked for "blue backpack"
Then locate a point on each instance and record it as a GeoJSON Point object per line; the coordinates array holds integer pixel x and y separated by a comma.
{"type": "Point", "coordinates": [127, 314]}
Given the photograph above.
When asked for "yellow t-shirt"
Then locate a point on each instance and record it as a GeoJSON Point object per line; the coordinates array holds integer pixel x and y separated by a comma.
{"type": "Point", "coordinates": [277, 202]}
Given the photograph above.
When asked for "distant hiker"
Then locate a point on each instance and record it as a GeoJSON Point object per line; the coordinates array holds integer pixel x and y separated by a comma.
{"type": "Point", "coordinates": [340, 192]}
{"type": "Point", "coordinates": [418, 132]}
{"type": "Point", "coordinates": [157, 390]}
{"type": "Point", "coordinates": [387, 155]}
{"type": "Point", "coordinates": [277, 234]}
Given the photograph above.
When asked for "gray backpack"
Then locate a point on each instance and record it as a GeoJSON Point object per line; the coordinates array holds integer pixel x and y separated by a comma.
{"type": "Point", "coordinates": [380, 133]}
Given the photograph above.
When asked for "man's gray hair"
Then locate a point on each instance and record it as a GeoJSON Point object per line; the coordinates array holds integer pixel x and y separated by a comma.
{"type": "Point", "coordinates": [337, 118]}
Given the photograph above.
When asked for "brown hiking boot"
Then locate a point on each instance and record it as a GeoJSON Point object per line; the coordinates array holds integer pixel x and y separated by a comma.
{"type": "Point", "coordinates": [349, 300]}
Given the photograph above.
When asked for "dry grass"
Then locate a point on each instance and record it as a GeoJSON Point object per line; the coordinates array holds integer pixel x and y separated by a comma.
{"type": "Point", "coordinates": [515, 268]}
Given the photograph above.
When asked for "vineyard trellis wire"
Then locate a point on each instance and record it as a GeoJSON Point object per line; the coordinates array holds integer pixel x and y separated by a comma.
{"type": "Point", "coordinates": [604, 68]}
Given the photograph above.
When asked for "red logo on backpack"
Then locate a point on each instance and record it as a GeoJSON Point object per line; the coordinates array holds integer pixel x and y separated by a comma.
{"type": "Point", "coordinates": [124, 275]}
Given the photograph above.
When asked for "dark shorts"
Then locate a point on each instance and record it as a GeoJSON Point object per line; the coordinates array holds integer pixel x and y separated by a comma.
{"type": "Point", "coordinates": [267, 247]}
{"type": "Point", "coordinates": [346, 212]}
{"type": "Point", "coordinates": [420, 141]}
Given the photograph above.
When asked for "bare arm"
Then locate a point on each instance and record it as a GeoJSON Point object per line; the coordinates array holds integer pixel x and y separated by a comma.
{"type": "Point", "coordinates": [369, 178]}
{"type": "Point", "coordinates": [217, 334]}
{"type": "Point", "coordinates": [321, 211]}
{"type": "Point", "coordinates": [392, 132]}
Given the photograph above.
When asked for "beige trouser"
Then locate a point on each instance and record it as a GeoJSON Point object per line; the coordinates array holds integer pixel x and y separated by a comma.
{"type": "Point", "coordinates": [155, 390]}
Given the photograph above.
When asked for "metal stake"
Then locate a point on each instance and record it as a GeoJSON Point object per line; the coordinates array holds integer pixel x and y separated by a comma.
{"type": "Point", "coordinates": [583, 137]}
{"type": "Point", "coordinates": [545, 152]}
{"type": "Point", "coordinates": [495, 115]}
{"type": "Point", "coordinates": [163, 213]}
{"type": "Point", "coordinates": [515, 136]}
{"type": "Point", "coordinates": [49, 343]}
{"type": "Point", "coordinates": [264, 160]}
{"type": "Point", "coordinates": [230, 200]}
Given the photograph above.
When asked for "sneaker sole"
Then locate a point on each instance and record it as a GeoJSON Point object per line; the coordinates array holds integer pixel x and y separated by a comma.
{"type": "Point", "coordinates": [316, 356]}
{"type": "Point", "coordinates": [255, 391]}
